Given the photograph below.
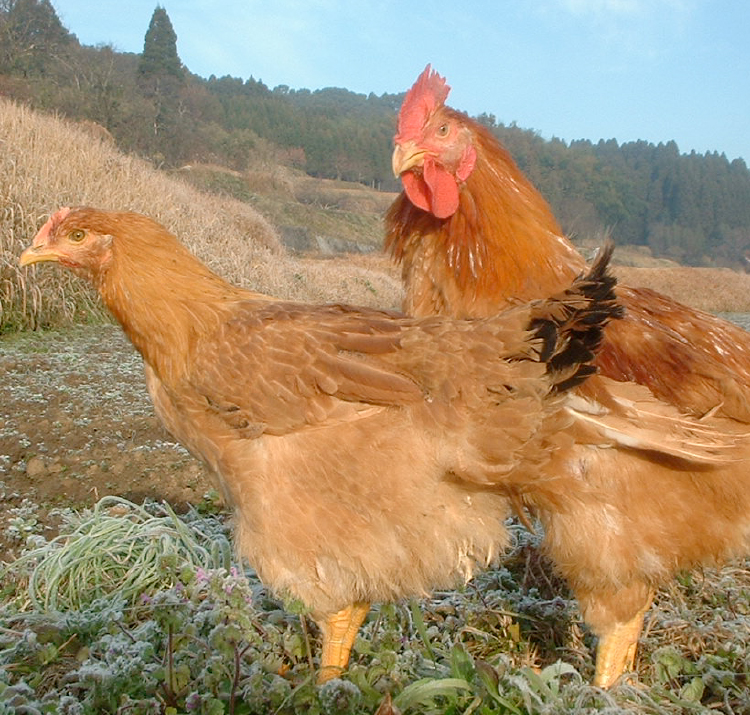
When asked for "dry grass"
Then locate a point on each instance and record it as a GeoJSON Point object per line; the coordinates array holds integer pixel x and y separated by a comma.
{"type": "Point", "coordinates": [46, 163]}
{"type": "Point", "coordinates": [711, 289]}
{"type": "Point", "coordinates": [323, 211]}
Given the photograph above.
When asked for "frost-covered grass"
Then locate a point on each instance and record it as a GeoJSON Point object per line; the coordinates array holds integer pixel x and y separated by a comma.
{"type": "Point", "coordinates": [132, 609]}
{"type": "Point", "coordinates": [118, 548]}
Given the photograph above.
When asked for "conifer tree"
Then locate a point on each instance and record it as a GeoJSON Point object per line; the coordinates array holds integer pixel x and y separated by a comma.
{"type": "Point", "coordinates": [162, 78]}
{"type": "Point", "coordinates": [160, 58]}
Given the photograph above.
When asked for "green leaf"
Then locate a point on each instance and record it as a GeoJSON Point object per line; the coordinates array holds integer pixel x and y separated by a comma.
{"type": "Point", "coordinates": [490, 681]}
{"type": "Point", "coordinates": [693, 691]}
{"type": "Point", "coordinates": [462, 666]}
{"type": "Point", "coordinates": [424, 691]}
{"type": "Point", "coordinates": [546, 683]}
{"type": "Point", "coordinates": [671, 664]}
{"type": "Point", "coordinates": [418, 619]}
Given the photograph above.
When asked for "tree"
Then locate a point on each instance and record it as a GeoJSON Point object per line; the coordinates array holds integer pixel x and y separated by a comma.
{"type": "Point", "coordinates": [31, 34]}
{"type": "Point", "coordinates": [160, 59]}
{"type": "Point", "coordinates": [162, 77]}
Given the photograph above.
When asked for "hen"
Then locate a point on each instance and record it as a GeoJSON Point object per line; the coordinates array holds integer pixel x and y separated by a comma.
{"type": "Point", "coordinates": [367, 456]}
{"type": "Point", "coordinates": [474, 236]}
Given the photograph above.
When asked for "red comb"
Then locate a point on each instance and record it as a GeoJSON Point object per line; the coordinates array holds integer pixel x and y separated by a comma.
{"type": "Point", "coordinates": [52, 223]}
{"type": "Point", "coordinates": [60, 214]}
{"type": "Point", "coordinates": [427, 93]}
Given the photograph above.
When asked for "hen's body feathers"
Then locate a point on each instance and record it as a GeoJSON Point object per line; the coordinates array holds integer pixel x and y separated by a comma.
{"type": "Point", "coordinates": [473, 237]}
{"type": "Point", "coordinates": [367, 456]}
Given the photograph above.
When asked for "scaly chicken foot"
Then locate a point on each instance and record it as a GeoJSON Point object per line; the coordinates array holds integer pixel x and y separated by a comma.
{"type": "Point", "coordinates": [615, 653]}
{"type": "Point", "coordinates": [339, 631]}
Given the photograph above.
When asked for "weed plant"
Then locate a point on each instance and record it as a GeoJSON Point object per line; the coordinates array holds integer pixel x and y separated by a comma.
{"type": "Point", "coordinates": [133, 609]}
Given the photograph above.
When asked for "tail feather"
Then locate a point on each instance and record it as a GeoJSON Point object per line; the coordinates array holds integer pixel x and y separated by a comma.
{"type": "Point", "coordinates": [569, 327]}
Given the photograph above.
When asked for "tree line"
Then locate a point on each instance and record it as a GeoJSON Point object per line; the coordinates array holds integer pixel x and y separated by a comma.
{"type": "Point", "coordinates": [694, 208]}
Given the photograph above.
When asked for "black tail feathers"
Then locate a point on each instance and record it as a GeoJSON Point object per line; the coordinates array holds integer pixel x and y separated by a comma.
{"type": "Point", "coordinates": [570, 325]}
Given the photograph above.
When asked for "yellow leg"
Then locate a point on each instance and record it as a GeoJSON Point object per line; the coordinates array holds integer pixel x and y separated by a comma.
{"type": "Point", "coordinates": [339, 632]}
{"type": "Point", "coordinates": [615, 653]}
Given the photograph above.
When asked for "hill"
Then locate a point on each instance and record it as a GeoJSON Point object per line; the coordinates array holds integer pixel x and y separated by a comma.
{"type": "Point", "coordinates": [694, 209]}
{"type": "Point", "coordinates": [325, 216]}
{"type": "Point", "coordinates": [278, 231]}
{"type": "Point", "coordinates": [49, 162]}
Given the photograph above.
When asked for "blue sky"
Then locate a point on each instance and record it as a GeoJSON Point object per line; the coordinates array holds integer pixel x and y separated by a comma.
{"type": "Point", "coordinates": [575, 69]}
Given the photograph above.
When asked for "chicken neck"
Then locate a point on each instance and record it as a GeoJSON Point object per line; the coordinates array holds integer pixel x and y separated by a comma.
{"type": "Point", "coordinates": [165, 299]}
{"type": "Point", "coordinates": [503, 246]}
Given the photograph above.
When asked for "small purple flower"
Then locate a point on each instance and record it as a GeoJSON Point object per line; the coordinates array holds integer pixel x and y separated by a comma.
{"type": "Point", "coordinates": [193, 702]}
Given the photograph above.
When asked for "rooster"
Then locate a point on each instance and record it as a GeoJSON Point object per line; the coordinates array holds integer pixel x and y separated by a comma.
{"type": "Point", "coordinates": [366, 455]}
{"type": "Point", "coordinates": [473, 236]}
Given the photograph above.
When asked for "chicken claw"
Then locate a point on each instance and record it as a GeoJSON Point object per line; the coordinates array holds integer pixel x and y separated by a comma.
{"type": "Point", "coordinates": [615, 653]}
{"type": "Point", "coordinates": [339, 631]}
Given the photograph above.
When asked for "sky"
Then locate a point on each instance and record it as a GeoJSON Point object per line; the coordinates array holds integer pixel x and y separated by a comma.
{"type": "Point", "coordinates": [656, 70]}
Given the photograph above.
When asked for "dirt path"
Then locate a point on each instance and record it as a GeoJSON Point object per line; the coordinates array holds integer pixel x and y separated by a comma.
{"type": "Point", "coordinates": [76, 423]}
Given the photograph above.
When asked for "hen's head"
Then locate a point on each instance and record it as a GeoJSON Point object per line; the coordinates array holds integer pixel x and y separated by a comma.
{"type": "Point", "coordinates": [434, 150]}
{"type": "Point", "coordinates": [72, 238]}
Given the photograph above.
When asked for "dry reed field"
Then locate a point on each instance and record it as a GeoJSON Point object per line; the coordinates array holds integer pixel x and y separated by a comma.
{"type": "Point", "coordinates": [716, 290]}
{"type": "Point", "coordinates": [46, 163]}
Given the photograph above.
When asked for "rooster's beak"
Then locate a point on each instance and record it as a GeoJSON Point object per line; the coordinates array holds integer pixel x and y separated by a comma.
{"type": "Point", "coordinates": [36, 254]}
{"type": "Point", "coordinates": [406, 156]}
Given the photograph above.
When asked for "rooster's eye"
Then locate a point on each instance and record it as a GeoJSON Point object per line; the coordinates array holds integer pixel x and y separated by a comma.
{"type": "Point", "coordinates": [443, 130]}
{"type": "Point", "coordinates": [76, 236]}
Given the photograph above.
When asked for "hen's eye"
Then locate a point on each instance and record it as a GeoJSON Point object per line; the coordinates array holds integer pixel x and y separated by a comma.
{"type": "Point", "coordinates": [77, 236]}
{"type": "Point", "coordinates": [443, 130]}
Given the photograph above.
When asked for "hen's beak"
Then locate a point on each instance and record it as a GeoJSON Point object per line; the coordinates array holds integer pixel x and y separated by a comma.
{"type": "Point", "coordinates": [36, 254]}
{"type": "Point", "coordinates": [406, 156]}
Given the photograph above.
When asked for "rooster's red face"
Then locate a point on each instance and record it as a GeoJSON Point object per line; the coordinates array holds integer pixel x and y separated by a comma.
{"type": "Point", "coordinates": [434, 150]}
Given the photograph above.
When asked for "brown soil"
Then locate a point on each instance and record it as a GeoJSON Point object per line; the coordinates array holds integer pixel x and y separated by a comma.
{"type": "Point", "coordinates": [76, 424]}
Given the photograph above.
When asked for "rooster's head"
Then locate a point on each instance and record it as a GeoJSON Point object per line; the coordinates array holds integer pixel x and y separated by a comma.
{"type": "Point", "coordinates": [434, 150]}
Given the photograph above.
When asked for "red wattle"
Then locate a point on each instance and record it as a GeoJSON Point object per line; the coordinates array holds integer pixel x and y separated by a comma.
{"type": "Point", "coordinates": [416, 190]}
{"type": "Point", "coordinates": [443, 189]}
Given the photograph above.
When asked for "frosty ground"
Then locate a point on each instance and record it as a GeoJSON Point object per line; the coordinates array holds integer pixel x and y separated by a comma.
{"type": "Point", "coordinates": [76, 423]}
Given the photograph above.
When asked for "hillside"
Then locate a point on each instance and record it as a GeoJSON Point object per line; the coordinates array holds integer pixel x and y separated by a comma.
{"type": "Point", "coordinates": [312, 215]}
{"type": "Point", "coordinates": [48, 162]}
{"type": "Point", "coordinates": [691, 208]}
{"type": "Point", "coordinates": [278, 230]}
